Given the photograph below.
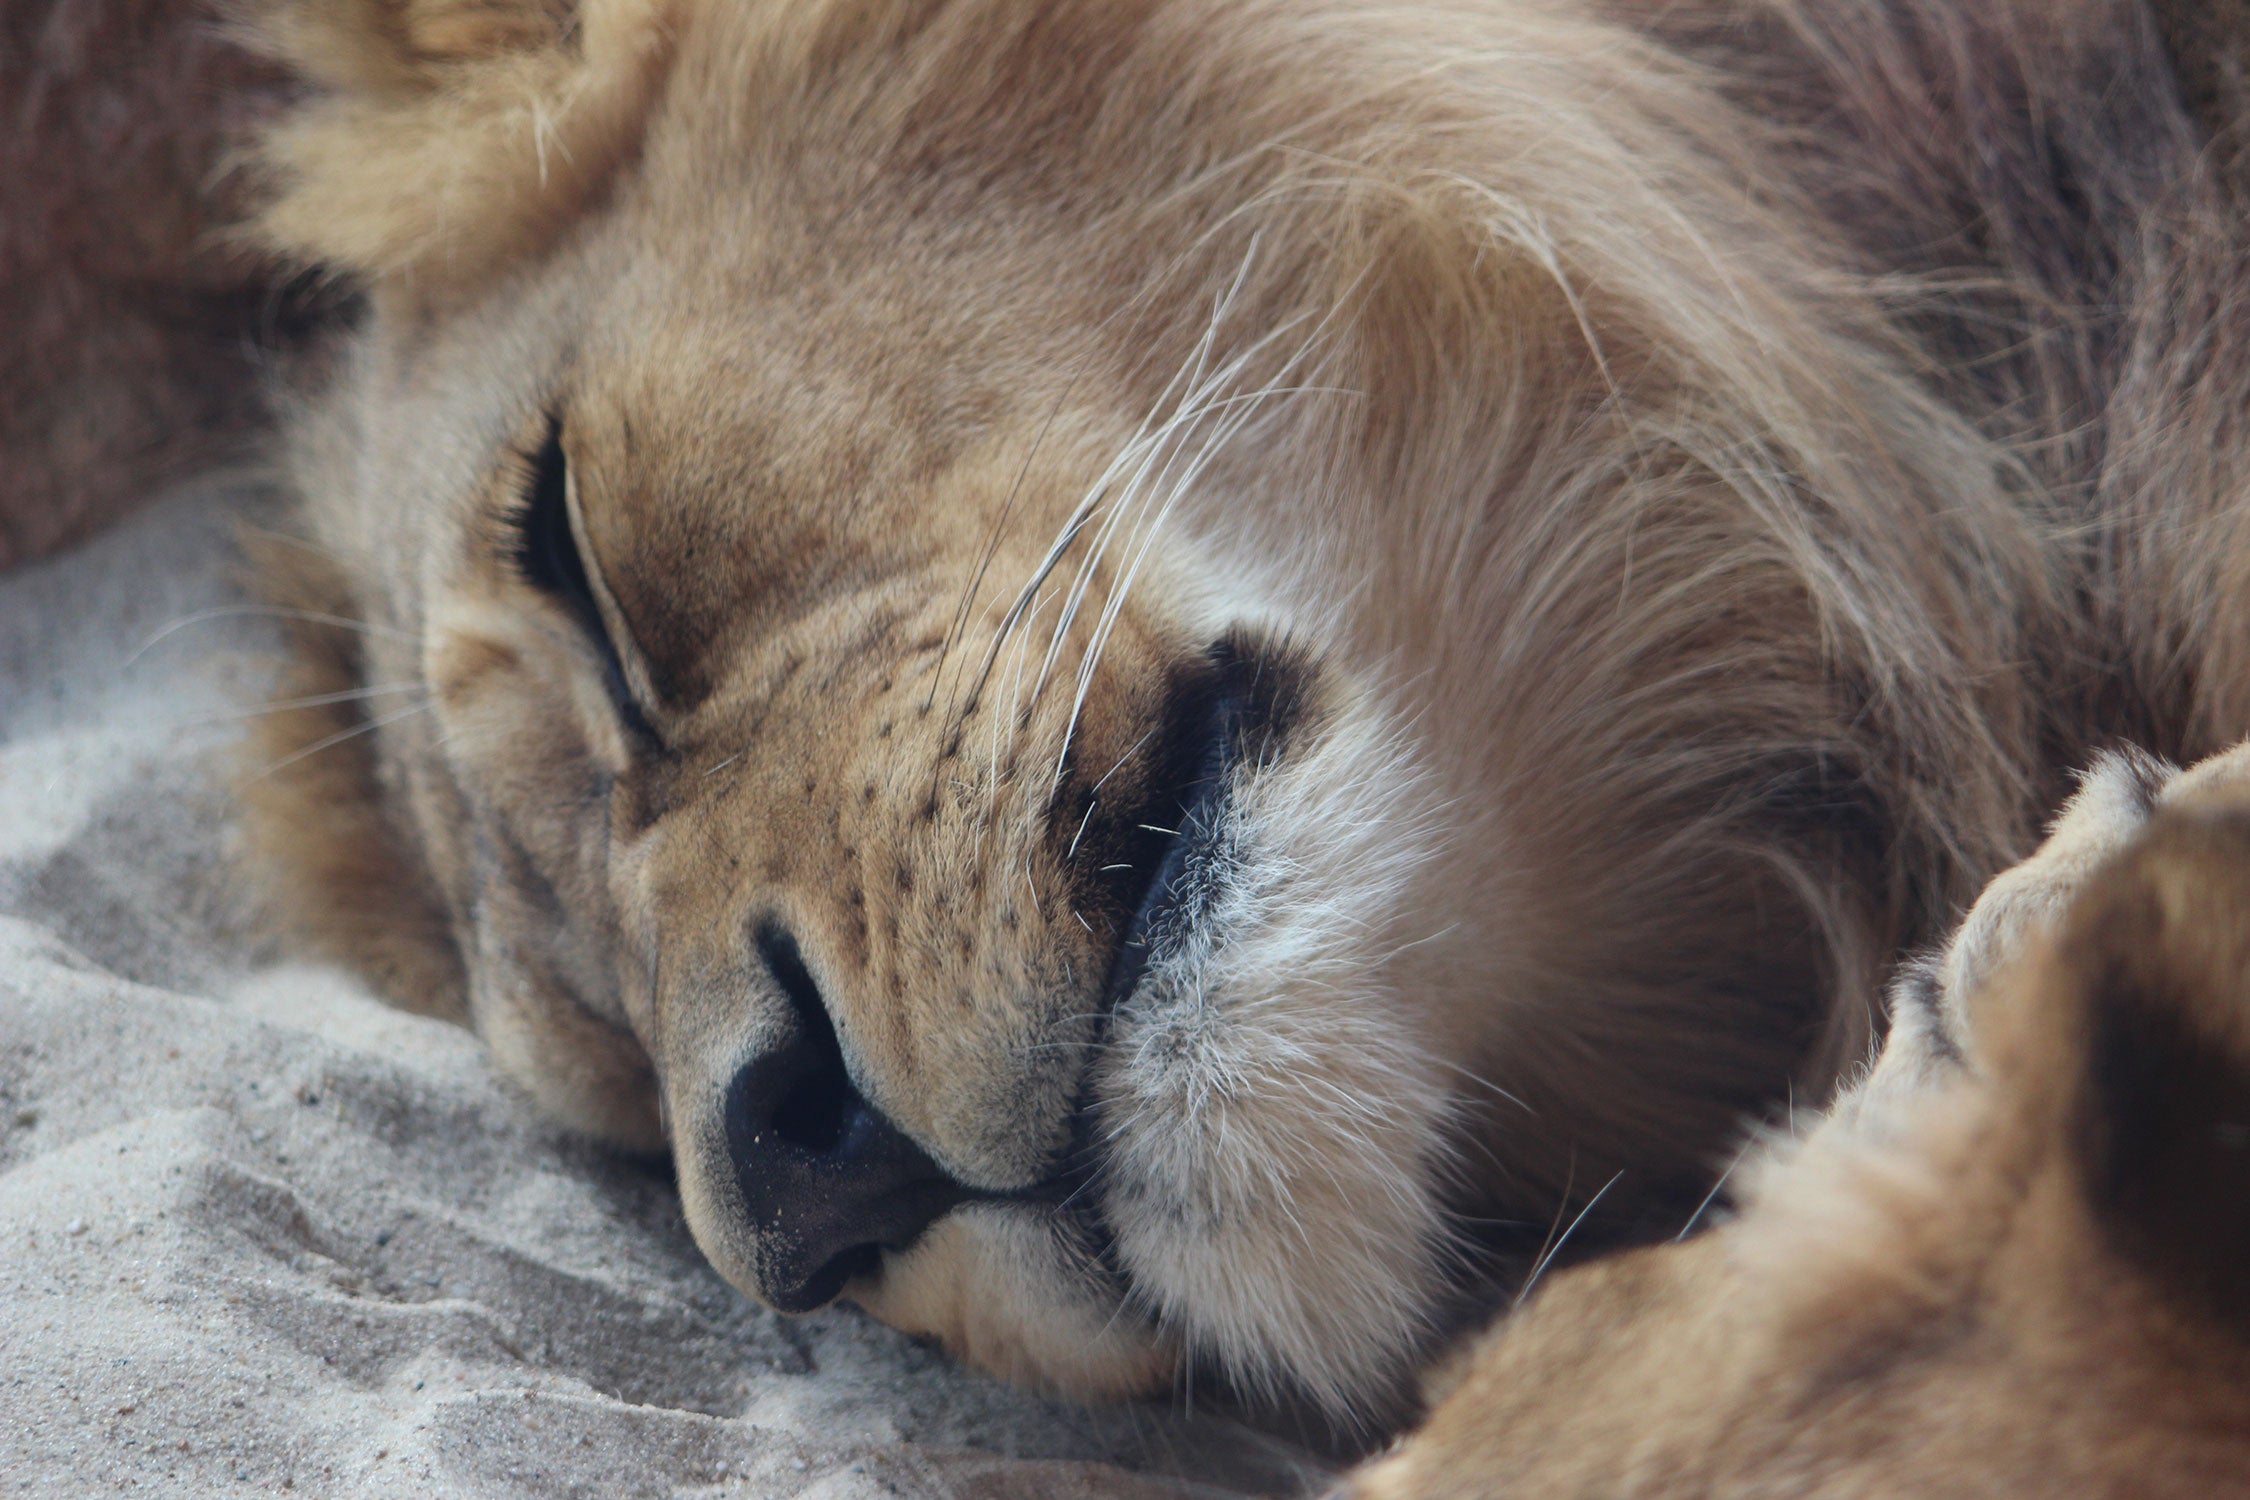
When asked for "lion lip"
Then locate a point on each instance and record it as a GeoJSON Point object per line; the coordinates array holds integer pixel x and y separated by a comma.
{"type": "Point", "coordinates": [1180, 889]}
{"type": "Point", "coordinates": [1070, 1195]}
{"type": "Point", "coordinates": [1180, 898]}
{"type": "Point", "coordinates": [1071, 1202]}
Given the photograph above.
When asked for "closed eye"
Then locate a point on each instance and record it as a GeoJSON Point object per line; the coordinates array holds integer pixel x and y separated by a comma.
{"type": "Point", "coordinates": [546, 553]}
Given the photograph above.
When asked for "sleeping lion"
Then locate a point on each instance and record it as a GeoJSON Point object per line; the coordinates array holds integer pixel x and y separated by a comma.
{"type": "Point", "coordinates": [1176, 685]}
{"type": "Point", "coordinates": [1151, 677]}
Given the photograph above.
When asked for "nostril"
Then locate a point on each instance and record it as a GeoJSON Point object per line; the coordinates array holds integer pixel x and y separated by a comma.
{"type": "Point", "coordinates": [827, 1182]}
{"type": "Point", "coordinates": [815, 1109]}
{"type": "Point", "coordinates": [814, 1114]}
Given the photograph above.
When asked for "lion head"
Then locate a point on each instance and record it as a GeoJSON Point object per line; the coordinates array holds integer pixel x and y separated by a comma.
{"type": "Point", "coordinates": [1147, 675]}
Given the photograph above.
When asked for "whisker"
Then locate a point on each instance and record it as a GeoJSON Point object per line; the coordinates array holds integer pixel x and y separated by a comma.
{"type": "Point", "coordinates": [961, 611]}
{"type": "Point", "coordinates": [1028, 597]}
{"type": "Point", "coordinates": [960, 618]}
{"type": "Point", "coordinates": [1145, 538]}
{"type": "Point", "coordinates": [314, 700]}
{"type": "Point", "coordinates": [268, 611]}
{"type": "Point", "coordinates": [1483, 1082]}
{"type": "Point", "coordinates": [1013, 721]}
{"type": "Point", "coordinates": [1710, 1197]}
{"type": "Point", "coordinates": [337, 739]}
{"type": "Point", "coordinates": [1547, 1256]}
{"type": "Point", "coordinates": [1093, 800]}
{"type": "Point", "coordinates": [1185, 380]}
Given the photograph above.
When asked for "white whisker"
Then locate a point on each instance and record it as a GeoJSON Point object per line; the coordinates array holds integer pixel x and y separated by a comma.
{"type": "Point", "coordinates": [313, 700]}
{"type": "Point", "coordinates": [1710, 1197]}
{"type": "Point", "coordinates": [349, 734]}
{"type": "Point", "coordinates": [267, 611]}
{"type": "Point", "coordinates": [1238, 410]}
{"type": "Point", "coordinates": [1547, 1256]}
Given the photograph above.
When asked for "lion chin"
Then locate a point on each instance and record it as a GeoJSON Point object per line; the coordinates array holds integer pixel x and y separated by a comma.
{"type": "Point", "coordinates": [1160, 679]}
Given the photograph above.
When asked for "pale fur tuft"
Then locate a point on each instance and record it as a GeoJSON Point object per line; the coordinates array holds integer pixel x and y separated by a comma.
{"type": "Point", "coordinates": [1276, 1148]}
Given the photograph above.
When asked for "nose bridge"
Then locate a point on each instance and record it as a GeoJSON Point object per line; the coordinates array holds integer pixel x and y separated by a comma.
{"type": "Point", "coordinates": [794, 834]}
{"type": "Point", "coordinates": [909, 860]}
{"type": "Point", "coordinates": [900, 806]}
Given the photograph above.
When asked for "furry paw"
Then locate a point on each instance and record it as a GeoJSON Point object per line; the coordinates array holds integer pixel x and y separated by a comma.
{"type": "Point", "coordinates": [1933, 1004]}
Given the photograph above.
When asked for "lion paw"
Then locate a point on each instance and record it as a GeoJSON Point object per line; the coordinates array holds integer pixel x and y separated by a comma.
{"type": "Point", "coordinates": [1933, 1004]}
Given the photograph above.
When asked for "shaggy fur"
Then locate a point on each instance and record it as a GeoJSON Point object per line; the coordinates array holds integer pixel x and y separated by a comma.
{"type": "Point", "coordinates": [2007, 1262]}
{"type": "Point", "coordinates": [2076, 250]}
{"type": "Point", "coordinates": [2010, 1262]}
{"type": "Point", "coordinates": [948, 389]}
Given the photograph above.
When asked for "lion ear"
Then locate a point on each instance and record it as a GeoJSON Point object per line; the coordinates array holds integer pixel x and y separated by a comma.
{"type": "Point", "coordinates": [442, 139]}
{"type": "Point", "coordinates": [2157, 1090]}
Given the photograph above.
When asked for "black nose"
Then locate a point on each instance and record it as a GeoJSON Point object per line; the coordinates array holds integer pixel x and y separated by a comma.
{"type": "Point", "coordinates": [828, 1182]}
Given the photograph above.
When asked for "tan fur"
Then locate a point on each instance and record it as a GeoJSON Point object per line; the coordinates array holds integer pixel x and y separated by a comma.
{"type": "Point", "coordinates": [2013, 1274]}
{"type": "Point", "coordinates": [1677, 611]}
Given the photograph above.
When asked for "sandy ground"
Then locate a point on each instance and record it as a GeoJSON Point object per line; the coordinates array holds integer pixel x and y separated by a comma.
{"type": "Point", "coordinates": [260, 1234]}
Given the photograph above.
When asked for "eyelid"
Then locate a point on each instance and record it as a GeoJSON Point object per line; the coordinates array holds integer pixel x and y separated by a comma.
{"type": "Point", "coordinates": [552, 554]}
{"type": "Point", "coordinates": [605, 608]}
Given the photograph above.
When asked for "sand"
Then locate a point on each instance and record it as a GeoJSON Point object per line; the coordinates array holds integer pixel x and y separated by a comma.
{"type": "Point", "coordinates": [260, 1234]}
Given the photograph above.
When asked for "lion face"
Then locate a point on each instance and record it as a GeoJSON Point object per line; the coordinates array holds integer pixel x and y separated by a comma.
{"type": "Point", "coordinates": [1038, 684]}
{"type": "Point", "coordinates": [830, 778]}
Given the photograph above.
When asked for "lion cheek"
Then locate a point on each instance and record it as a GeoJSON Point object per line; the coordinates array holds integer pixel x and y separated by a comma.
{"type": "Point", "coordinates": [583, 1072]}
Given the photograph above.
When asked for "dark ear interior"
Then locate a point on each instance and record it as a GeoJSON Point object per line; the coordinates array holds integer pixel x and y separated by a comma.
{"type": "Point", "coordinates": [2161, 1124]}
